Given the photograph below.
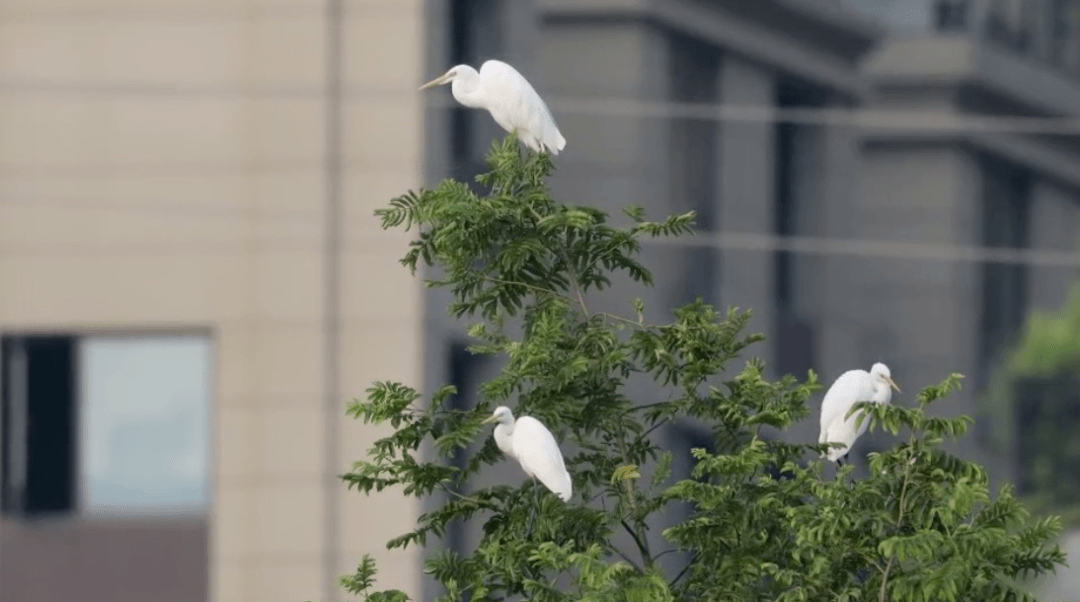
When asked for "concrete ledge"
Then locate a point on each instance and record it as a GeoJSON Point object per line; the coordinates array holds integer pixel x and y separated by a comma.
{"type": "Point", "coordinates": [828, 52]}
{"type": "Point", "coordinates": [959, 60]}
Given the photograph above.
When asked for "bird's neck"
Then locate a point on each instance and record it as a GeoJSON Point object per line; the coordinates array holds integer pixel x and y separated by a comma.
{"type": "Point", "coordinates": [468, 93]}
{"type": "Point", "coordinates": [881, 393]}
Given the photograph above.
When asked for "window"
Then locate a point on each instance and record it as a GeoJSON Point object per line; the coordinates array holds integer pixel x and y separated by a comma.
{"type": "Point", "coordinates": [1011, 23]}
{"type": "Point", "coordinates": [1006, 191]}
{"type": "Point", "coordinates": [106, 425]}
{"type": "Point", "coordinates": [784, 215]}
{"type": "Point", "coordinates": [144, 419]}
{"type": "Point", "coordinates": [465, 373]}
{"type": "Point", "coordinates": [693, 71]}
{"type": "Point", "coordinates": [38, 424]}
{"type": "Point", "coordinates": [795, 177]}
{"type": "Point", "coordinates": [474, 38]}
{"type": "Point", "coordinates": [903, 16]}
{"type": "Point", "coordinates": [952, 15]}
{"type": "Point", "coordinates": [1064, 26]}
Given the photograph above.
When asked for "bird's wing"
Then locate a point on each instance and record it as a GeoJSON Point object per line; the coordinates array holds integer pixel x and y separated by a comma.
{"type": "Point", "coordinates": [519, 100]}
{"type": "Point", "coordinates": [539, 454]}
{"type": "Point", "coordinates": [850, 388]}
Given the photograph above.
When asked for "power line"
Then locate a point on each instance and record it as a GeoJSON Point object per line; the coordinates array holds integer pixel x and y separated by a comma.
{"type": "Point", "coordinates": [161, 209]}
{"type": "Point", "coordinates": [861, 118]}
{"type": "Point", "coordinates": [210, 11]}
{"type": "Point", "coordinates": [868, 248]}
{"type": "Point", "coordinates": [89, 170]}
{"type": "Point", "coordinates": [365, 243]}
{"type": "Point", "coordinates": [891, 119]}
{"type": "Point", "coordinates": [739, 241]}
{"type": "Point", "coordinates": [170, 168]}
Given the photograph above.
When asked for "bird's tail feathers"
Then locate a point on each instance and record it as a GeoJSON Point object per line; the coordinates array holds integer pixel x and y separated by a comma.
{"type": "Point", "coordinates": [836, 453]}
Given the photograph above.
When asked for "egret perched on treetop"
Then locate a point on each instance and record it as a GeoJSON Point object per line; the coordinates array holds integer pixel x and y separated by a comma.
{"type": "Point", "coordinates": [509, 98]}
{"type": "Point", "coordinates": [533, 446]}
{"type": "Point", "coordinates": [850, 388]}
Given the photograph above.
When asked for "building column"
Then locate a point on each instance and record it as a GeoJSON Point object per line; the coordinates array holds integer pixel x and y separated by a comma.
{"type": "Point", "coordinates": [746, 195]}
{"type": "Point", "coordinates": [824, 201]}
{"type": "Point", "coordinates": [919, 316]}
{"type": "Point", "coordinates": [612, 161]}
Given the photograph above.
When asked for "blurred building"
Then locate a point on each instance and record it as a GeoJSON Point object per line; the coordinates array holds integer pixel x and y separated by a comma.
{"type": "Point", "coordinates": [192, 285]}
{"type": "Point", "coordinates": [889, 212]}
{"type": "Point", "coordinates": [615, 74]}
{"type": "Point", "coordinates": [1010, 184]}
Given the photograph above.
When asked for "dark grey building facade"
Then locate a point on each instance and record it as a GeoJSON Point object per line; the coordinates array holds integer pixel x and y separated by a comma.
{"type": "Point", "coordinates": [1002, 179]}
{"type": "Point", "coordinates": [888, 184]}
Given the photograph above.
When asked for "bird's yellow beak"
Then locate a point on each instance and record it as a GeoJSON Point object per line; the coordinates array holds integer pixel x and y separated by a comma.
{"type": "Point", "coordinates": [892, 384]}
{"type": "Point", "coordinates": [438, 81]}
{"type": "Point", "coordinates": [490, 419]}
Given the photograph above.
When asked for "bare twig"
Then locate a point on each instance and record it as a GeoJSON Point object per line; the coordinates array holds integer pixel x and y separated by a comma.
{"type": "Point", "coordinates": [480, 503]}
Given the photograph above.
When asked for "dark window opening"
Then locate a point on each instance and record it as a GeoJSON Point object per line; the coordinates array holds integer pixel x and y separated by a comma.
{"type": "Point", "coordinates": [38, 389]}
{"type": "Point", "coordinates": [951, 15]}
{"type": "Point", "coordinates": [460, 117]}
{"type": "Point", "coordinates": [793, 351]}
{"type": "Point", "coordinates": [474, 38]}
{"type": "Point", "coordinates": [1006, 192]}
{"type": "Point", "coordinates": [1011, 23]}
{"type": "Point", "coordinates": [693, 72]}
{"type": "Point", "coordinates": [1064, 25]}
{"type": "Point", "coordinates": [463, 368]}
{"type": "Point", "coordinates": [684, 437]}
{"type": "Point", "coordinates": [784, 215]}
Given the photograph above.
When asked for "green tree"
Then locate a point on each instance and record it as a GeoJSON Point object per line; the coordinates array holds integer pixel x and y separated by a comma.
{"type": "Point", "coordinates": [764, 525]}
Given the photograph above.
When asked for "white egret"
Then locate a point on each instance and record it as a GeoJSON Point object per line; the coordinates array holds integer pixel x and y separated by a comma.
{"type": "Point", "coordinates": [850, 388]}
{"type": "Point", "coordinates": [529, 442]}
{"type": "Point", "coordinates": [507, 95]}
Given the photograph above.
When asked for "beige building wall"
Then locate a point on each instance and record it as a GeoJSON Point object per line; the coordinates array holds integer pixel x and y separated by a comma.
{"type": "Point", "coordinates": [163, 166]}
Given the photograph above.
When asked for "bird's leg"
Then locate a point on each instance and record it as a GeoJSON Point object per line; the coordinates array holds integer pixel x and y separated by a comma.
{"type": "Point", "coordinates": [535, 506]}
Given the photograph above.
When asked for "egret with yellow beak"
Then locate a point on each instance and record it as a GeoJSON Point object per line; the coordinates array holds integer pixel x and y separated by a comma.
{"type": "Point", "coordinates": [850, 388]}
{"type": "Point", "coordinates": [509, 98]}
{"type": "Point", "coordinates": [535, 449]}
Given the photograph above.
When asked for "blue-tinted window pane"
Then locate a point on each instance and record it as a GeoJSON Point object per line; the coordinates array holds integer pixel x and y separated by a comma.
{"type": "Point", "coordinates": [903, 16]}
{"type": "Point", "coordinates": [144, 436]}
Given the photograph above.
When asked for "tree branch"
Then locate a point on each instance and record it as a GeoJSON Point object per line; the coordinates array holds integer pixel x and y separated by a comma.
{"type": "Point", "coordinates": [620, 553]}
{"type": "Point", "coordinates": [642, 543]}
{"type": "Point", "coordinates": [684, 570]}
{"type": "Point", "coordinates": [529, 286]}
{"type": "Point", "coordinates": [899, 522]}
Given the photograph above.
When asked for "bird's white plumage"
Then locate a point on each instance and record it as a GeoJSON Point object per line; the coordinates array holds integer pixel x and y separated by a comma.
{"type": "Point", "coordinates": [850, 388]}
{"type": "Point", "coordinates": [529, 442]}
{"type": "Point", "coordinates": [510, 99]}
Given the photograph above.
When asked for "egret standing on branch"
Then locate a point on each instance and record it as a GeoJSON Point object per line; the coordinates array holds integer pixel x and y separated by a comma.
{"type": "Point", "coordinates": [506, 94]}
{"type": "Point", "coordinates": [533, 446]}
{"type": "Point", "coordinates": [850, 388]}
